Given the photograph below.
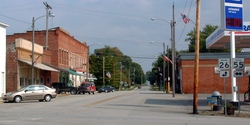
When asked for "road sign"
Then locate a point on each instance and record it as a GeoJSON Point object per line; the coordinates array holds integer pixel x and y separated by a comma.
{"type": "Point", "coordinates": [121, 82]}
{"type": "Point", "coordinates": [224, 63]}
{"type": "Point", "coordinates": [238, 63]}
{"type": "Point", "coordinates": [238, 73]}
{"type": "Point", "coordinates": [224, 74]}
{"type": "Point", "coordinates": [231, 14]}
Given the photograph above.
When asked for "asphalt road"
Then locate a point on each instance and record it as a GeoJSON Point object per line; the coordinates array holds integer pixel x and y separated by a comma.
{"type": "Point", "coordinates": [137, 107]}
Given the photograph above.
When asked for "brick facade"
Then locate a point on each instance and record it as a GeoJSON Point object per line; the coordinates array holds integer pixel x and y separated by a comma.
{"type": "Point", "coordinates": [208, 80]}
{"type": "Point", "coordinates": [59, 41]}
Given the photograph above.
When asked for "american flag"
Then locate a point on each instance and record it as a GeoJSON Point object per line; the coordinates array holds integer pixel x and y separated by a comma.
{"type": "Point", "coordinates": [166, 58]}
{"type": "Point", "coordinates": [185, 18]}
{"type": "Point", "coordinates": [108, 74]}
{"type": "Point", "coordinates": [35, 62]}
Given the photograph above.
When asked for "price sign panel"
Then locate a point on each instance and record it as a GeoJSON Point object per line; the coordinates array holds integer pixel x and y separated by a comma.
{"type": "Point", "coordinates": [232, 15]}
{"type": "Point", "coordinates": [238, 63]}
{"type": "Point", "coordinates": [224, 63]}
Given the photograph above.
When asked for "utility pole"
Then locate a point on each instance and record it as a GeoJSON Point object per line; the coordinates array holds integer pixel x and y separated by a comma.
{"type": "Point", "coordinates": [103, 74]}
{"type": "Point", "coordinates": [129, 78]}
{"type": "Point", "coordinates": [168, 72]}
{"type": "Point", "coordinates": [114, 74]}
{"type": "Point", "coordinates": [164, 67]}
{"type": "Point", "coordinates": [134, 76]}
{"type": "Point", "coordinates": [196, 65]}
{"type": "Point", "coordinates": [33, 41]}
{"type": "Point", "coordinates": [120, 77]}
{"type": "Point", "coordinates": [47, 18]}
{"type": "Point", "coordinates": [173, 52]}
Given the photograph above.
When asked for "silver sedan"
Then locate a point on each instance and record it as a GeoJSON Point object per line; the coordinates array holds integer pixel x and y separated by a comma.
{"type": "Point", "coordinates": [31, 92]}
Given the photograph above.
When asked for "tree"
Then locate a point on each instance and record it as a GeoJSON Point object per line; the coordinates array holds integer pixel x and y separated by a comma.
{"type": "Point", "coordinates": [113, 60]}
{"type": "Point", "coordinates": [206, 31]}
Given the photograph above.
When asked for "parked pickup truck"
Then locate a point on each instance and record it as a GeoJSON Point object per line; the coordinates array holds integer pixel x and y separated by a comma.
{"type": "Point", "coordinates": [106, 89]}
{"type": "Point", "coordinates": [64, 87]}
{"type": "Point", "coordinates": [87, 87]}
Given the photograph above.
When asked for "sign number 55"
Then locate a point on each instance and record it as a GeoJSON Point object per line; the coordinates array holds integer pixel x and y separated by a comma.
{"type": "Point", "coordinates": [238, 63]}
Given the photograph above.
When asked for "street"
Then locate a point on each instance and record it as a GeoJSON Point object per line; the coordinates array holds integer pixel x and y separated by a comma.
{"type": "Point", "coordinates": [137, 107]}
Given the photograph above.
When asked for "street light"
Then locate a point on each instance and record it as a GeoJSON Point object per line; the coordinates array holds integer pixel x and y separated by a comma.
{"type": "Point", "coordinates": [164, 62]}
{"type": "Point", "coordinates": [87, 79]}
{"type": "Point", "coordinates": [172, 24]}
{"type": "Point", "coordinates": [33, 41]}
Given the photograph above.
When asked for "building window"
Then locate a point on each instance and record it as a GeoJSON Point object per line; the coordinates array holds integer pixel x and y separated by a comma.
{"type": "Point", "coordinates": [59, 56]}
{"type": "Point", "coordinates": [21, 82]}
{"type": "Point", "coordinates": [62, 56]}
{"type": "Point", "coordinates": [26, 81]}
{"type": "Point", "coordinates": [48, 80]}
{"type": "Point", "coordinates": [41, 81]}
{"type": "Point", "coordinates": [67, 63]}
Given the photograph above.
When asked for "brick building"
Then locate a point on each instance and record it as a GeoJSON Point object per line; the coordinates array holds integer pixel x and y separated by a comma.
{"type": "Point", "coordinates": [65, 54]}
{"type": "Point", "coordinates": [209, 79]}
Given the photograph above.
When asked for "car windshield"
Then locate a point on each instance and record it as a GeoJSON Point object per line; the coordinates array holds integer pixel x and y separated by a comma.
{"type": "Point", "coordinates": [19, 90]}
{"type": "Point", "coordinates": [105, 87]}
{"type": "Point", "coordinates": [69, 85]}
{"type": "Point", "coordinates": [85, 84]}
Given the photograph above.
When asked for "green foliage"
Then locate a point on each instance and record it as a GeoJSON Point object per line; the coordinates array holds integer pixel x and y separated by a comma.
{"type": "Point", "coordinates": [206, 31]}
{"type": "Point", "coordinates": [113, 60]}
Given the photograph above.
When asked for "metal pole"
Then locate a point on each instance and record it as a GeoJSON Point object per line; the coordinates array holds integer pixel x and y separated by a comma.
{"type": "Point", "coordinates": [114, 74]}
{"type": "Point", "coordinates": [239, 94]}
{"type": "Point", "coordinates": [196, 67]}
{"type": "Point", "coordinates": [103, 75]}
{"type": "Point", "coordinates": [87, 75]}
{"type": "Point", "coordinates": [47, 18]}
{"type": "Point", "coordinates": [134, 76]}
{"type": "Point", "coordinates": [120, 77]}
{"type": "Point", "coordinates": [164, 67]}
{"type": "Point", "coordinates": [173, 53]}
{"type": "Point", "coordinates": [225, 95]}
{"type": "Point", "coordinates": [233, 79]}
{"type": "Point", "coordinates": [129, 78]}
{"type": "Point", "coordinates": [33, 40]}
{"type": "Point", "coordinates": [168, 69]}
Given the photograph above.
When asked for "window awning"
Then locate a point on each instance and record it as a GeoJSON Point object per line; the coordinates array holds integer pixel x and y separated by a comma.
{"type": "Point", "coordinates": [39, 66]}
{"type": "Point", "coordinates": [72, 72]}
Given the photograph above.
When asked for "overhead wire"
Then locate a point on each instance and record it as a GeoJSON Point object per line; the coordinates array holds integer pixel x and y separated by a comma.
{"type": "Point", "coordinates": [185, 24]}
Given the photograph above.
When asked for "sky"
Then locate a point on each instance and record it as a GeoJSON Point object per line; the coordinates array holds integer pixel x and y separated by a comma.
{"type": "Point", "coordinates": [125, 24]}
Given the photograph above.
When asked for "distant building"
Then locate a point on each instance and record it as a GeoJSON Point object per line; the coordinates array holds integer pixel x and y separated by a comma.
{"type": "Point", "coordinates": [3, 58]}
{"type": "Point", "coordinates": [64, 56]}
{"type": "Point", "coordinates": [209, 79]}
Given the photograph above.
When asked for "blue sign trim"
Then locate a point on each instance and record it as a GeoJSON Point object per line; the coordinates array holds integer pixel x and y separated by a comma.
{"type": "Point", "coordinates": [234, 1]}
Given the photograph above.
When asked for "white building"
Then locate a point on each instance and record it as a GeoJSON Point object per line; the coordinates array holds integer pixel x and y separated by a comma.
{"type": "Point", "coordinates": [3, 58]}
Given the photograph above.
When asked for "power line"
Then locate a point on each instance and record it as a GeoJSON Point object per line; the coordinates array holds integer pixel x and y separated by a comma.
{"type": "Point", "coordinates": [15, 19]}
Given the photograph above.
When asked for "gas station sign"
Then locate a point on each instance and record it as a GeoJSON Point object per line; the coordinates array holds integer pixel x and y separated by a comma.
{"type": "Point", "coordinates": [232, 15]}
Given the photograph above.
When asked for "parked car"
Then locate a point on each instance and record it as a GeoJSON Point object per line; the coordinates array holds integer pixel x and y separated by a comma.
{"type": "Point", "coordinates": [31, 92]}
{"type": "Point", "coordinates": [87, 87]}
{"type": "Point", "coordinates": [106, 89]}
{"type": "Point", "coordinates": [64, 87]}
{"type": "Point", "coordinates": [139, 87]}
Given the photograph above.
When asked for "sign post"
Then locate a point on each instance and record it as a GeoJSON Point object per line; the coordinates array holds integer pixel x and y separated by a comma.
{"type": "Point", "coordinates": [238, 63]}
{"type": "Point", "coordinates": [232, 19]}
{"type": "Point", "coordinates": [224, 64]}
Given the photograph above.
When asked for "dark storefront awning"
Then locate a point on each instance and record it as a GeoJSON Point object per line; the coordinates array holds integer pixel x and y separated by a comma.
{"type": "Point", "coordinates": [72, 72]}
{"type": "Point", "coordinates": [39, 65]}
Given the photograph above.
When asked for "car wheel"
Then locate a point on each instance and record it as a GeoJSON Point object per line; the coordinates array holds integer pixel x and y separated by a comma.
{"type": "Point", "coordinates": [40, 100]}
{"type": "Point", "coordinates": [57, 91]}
{"type": "Point", "coordinates": [106, 91]}
{"type": "Point", "coordinates": [89, 93]}
{"type": "Point", "coordinates": [18, 99]}
{"type": "Point", "coordinates": [93, 93]}
{"type": "Point", "coordinates": [47, 98]}
{"type": "Point", "coordinates": [73, 92]}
